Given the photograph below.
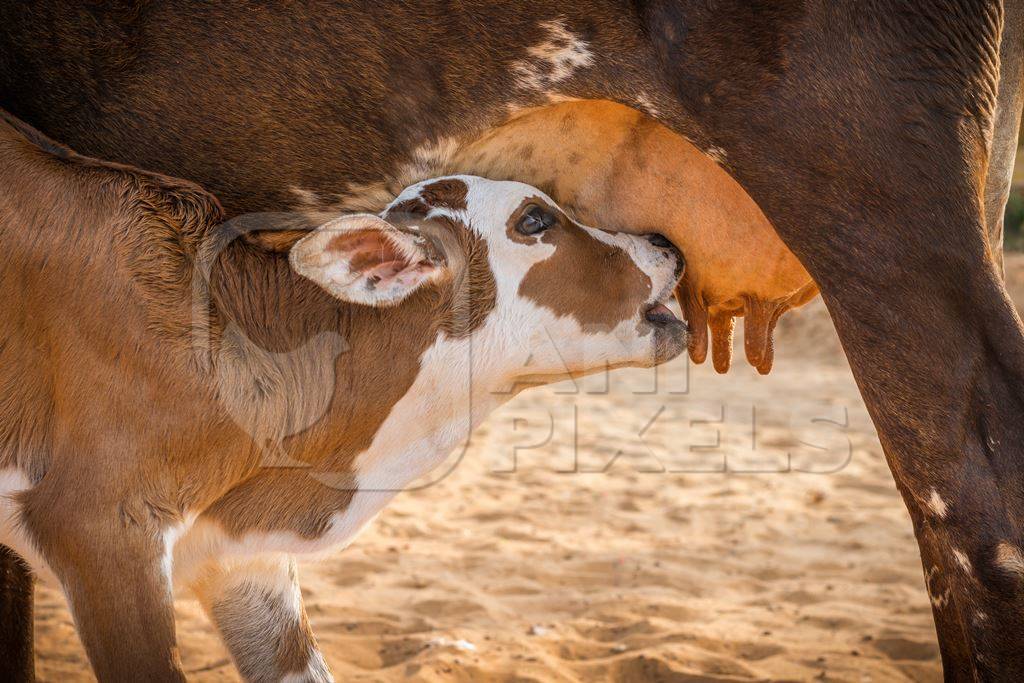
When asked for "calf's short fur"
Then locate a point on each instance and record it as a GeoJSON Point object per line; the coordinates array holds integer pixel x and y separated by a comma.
{"type": "Point", "coordinates": [188, 403]}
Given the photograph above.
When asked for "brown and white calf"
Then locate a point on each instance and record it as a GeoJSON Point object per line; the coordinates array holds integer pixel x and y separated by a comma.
{"type": "Point", "coordinates": [188, 404]}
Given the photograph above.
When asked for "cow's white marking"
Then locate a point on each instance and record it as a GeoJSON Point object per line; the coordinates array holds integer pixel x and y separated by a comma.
{"type": "Point", "coordinates": [717, 154]}
{"type": "Point", "coordinates": [937, 505]}
{"type": "Point", "coordinates": [962, 560]}
{"type": "Point", "coordinates": [1010, 559]}
{"type": "Point", "coordinates": [170, 536]}
{"type": "Point", "coordinates": [644, 104]}
{"type": "Point", "coordinates": [552, 60]}
{"type": "Point", "coordinates": [938, 600]}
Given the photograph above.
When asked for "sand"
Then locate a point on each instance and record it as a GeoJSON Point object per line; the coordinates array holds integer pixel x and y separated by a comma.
{"type": "Point", "coordinates": [753, 532]}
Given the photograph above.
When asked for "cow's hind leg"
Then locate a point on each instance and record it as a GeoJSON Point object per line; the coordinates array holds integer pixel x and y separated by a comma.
{"type": "Point", "coordinates": [870, 156]}
{"type": "Point", "coordinates": [16, 662]}
{"type": "Point", "coordinates": [256, 606]}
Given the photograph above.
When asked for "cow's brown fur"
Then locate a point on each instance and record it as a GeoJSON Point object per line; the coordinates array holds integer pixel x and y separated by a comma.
{"type": "Point", "coordinates": [865, 129]}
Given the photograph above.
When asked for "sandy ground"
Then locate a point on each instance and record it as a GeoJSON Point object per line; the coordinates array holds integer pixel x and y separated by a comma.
{"type": "Point", "coordinates": [678, 526]}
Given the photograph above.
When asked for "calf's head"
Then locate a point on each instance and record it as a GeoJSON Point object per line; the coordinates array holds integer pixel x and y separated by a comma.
{"type": "Point", "coordinates": [541, 296]}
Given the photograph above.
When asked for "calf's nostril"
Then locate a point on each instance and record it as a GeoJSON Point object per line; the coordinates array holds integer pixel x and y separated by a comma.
{"type": "Point", "coordinates": [660, 241]}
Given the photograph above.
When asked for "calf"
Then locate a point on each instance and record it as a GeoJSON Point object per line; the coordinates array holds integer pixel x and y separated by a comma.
{"type": "Point", "coordinates": [188, 404]}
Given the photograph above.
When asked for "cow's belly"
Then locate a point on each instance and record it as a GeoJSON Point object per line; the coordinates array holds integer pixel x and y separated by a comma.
{"type": "Point", "coordinates": [12, 534]}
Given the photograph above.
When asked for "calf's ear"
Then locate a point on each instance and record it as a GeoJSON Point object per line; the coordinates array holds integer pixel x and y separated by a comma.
{"type": "Point", "coordinates": [363, 259]}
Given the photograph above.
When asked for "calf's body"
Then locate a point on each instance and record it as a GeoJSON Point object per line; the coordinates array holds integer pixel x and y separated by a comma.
{"type": "Point", "coordinates": [189, 403]}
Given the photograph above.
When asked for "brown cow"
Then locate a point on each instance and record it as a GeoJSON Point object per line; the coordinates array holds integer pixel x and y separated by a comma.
{"type": "Point", "coordinates": [876, 135]}
{"type": "Point", "coordinates": [188, 404]}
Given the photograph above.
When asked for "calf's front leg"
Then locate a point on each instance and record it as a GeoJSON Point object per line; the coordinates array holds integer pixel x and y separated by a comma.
{"type": "Point", "coordinates": [114, 574]}
{"type": "Point", "coordinates": [257, 607]}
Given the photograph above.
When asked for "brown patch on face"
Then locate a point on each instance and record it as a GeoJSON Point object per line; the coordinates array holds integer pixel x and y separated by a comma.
{"type": "Point", "coordinates": [510, 227]}
{"type": "Point", "coordinates": [597, 284]}
{"type": "Point", "coordinates": [413, 207]}
{"type": "Point", "coordinates": [473, 293]}
{"type": "Point", "coordinates": [448, 193]}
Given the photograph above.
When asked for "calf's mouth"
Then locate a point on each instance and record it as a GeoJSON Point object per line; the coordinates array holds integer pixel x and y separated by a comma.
{"type": "Point", "coordinates": [660, 315]}
{"type": "Point", "coordinates": [671, 334]}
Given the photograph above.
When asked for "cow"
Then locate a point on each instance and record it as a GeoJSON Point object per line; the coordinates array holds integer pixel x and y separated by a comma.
{"type": "Point", "coordinates": [877, 136]}
{"type": "Point", "coordinates": [189, 403]}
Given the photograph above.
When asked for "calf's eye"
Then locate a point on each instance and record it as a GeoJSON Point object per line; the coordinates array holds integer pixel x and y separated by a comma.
{"type": "Point", "coordinates": [535, 219]}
